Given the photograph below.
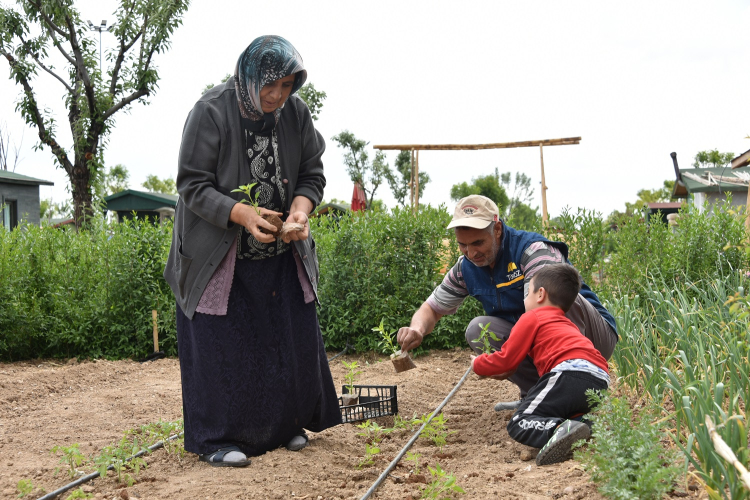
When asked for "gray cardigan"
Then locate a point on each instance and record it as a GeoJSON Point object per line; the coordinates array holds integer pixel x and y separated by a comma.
{"type": "Point", "coordinates": [211, 164]}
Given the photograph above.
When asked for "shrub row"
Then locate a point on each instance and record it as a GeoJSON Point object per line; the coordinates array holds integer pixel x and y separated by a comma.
{"type": "Point", "coordinates": [90, 294]}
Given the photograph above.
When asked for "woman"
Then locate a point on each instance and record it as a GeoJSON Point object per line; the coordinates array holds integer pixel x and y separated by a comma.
{"type": "Point", "coordinates": [254, 370]}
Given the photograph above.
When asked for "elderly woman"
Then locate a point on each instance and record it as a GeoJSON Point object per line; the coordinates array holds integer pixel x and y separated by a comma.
{"type": "Point", "coordinates": [254, 370]}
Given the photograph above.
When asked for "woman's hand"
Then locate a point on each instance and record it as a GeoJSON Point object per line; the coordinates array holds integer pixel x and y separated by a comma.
{"type": "Point", "coordinates": [299, 218]}
{"type": "Point", "coordinates": [248, 217]}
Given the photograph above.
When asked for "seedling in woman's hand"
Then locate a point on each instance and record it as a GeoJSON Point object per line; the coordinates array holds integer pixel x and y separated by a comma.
{"type": "Point", "coordinates": [253, 200]}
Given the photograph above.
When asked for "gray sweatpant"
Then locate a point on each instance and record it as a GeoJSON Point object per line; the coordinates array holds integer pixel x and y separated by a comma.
{"type": "Point", "coordinates": [582, 314]}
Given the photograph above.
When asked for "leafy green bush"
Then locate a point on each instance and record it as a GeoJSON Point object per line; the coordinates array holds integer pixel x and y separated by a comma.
{"type": "Point", "coordinates": [625, 457]}
{"type": "Point", "coordinates": [84, 294]}
{"type": "Point", "coordinates": [379, 265]}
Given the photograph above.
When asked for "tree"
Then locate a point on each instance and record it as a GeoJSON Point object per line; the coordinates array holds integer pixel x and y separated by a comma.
{"type": "Point", "coordinates": [368, 174]}
{"type": "Point", "coordinates": [29, 37]}
{"type": "Point", "coordinates": [209, 86]}
{"type": "Point", "coordinates": [313, 98]}
{"type": "Point", "coordinates": [645, 196]}
{"type": "Point", "coordinates": [116, 179]}
{"type": "Point", "coordinates": [400, 183]}
{"type": "Point", "coordinates": [486, 185]}
{"type": "Point", "coordinates": [712, 158]}
{"type": "Point", "coordinates": [156, 185]}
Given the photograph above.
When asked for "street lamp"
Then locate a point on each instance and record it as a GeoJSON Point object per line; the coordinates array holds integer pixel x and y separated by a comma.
{"type": "Point", "coordinates": [100, 28]}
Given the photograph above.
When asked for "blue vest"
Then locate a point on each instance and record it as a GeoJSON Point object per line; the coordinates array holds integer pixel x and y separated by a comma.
{"type": "Point", "coordinates": [500, 289]}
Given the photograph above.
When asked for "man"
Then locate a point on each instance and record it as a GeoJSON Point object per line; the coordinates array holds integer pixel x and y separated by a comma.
{"type": "Point", "coordinates": [497, 265]}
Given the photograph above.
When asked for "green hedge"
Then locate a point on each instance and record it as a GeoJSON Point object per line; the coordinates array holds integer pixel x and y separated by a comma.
{"type": "Point", "coordinates": [86, 294]}
{"type": "Point", "coordinates": [377, 266]}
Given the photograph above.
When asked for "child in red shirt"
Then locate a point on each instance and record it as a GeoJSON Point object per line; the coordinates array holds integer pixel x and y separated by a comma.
{"type": "Point", "coordinates": [567, 362]}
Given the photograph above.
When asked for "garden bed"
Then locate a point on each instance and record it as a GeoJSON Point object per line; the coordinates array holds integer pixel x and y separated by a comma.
{"type": "Point", "coordinates": [48, 403]}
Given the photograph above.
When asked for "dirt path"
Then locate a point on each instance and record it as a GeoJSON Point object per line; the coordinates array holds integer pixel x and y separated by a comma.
{"type": "Point", "coordinates": [43, 404]}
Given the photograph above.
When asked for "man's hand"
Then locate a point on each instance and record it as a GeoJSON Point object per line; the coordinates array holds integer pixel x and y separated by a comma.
{"type": "Point", "coordinates": [409, 338]}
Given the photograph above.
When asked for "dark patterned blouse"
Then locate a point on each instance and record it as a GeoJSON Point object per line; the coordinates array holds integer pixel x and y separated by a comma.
{"type": "Point", "coordinates": [263, 161]}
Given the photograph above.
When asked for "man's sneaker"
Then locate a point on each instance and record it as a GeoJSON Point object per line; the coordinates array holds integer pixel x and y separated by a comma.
{"type": "Point", "coordinates": [508, 405]}
{"type": "Point", "coordinates": [558, 448]}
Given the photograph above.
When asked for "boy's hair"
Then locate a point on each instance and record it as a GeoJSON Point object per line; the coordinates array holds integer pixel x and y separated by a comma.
{"type": "Point", "coordinates": [562, 283]}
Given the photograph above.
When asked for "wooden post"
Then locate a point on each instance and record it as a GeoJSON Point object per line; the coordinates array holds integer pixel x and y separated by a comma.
{"type": "Point", "coordinates": [747, 212]}
{"type": "Point", "coordinates": [411, 180]}
{"type": "Point", "coordinates": [545, 218]}
{"type": "Point", "coordinates": [156, 330]}
{"type": "Point", "coordinates": [416, 181]}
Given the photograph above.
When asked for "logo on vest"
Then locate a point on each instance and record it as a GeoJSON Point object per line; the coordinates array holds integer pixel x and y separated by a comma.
{"type": "Point", "coordinates": [512, 267]}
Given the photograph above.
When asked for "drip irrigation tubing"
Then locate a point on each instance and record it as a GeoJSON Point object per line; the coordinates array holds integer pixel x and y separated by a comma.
{"type": "Point", "coordinates": [414, 438]}
{"type": "Point", "coordinates": [94, 475]}
{"type": "Point", "coordinates": [342, 352]}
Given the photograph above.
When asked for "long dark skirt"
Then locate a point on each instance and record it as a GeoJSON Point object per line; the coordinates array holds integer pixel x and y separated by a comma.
{"type": "Point", "coordinates": [259, 375]}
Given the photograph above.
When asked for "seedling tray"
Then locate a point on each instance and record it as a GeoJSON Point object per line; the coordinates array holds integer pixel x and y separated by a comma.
{"type": "Point", "coordinates": [374, 401]}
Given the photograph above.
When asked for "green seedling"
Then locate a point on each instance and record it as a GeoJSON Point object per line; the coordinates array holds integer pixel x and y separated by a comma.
{"type": "Point", "coordinates": [435, 431]}
{"type": "Point", "coordinates": [79, 493]}
{"type": "Point", "coordinates": [369, 458]}
{"type": "Point", "coordinates": [485, 335]}
{"type": "Point", "coordinates": [117, 457]}
{"type": "Point", "coordinates": [388, 343]}
{"type": "Point", "coordinates": [252, 200]}
{"type": "Point", "coordinates": [414, 457]}
{"type": "Point", "coordinates": [443, 484]}
{"type": "Point", "coordinates": [372, 432]}
{"type": "Point", "coordinates": [402, 423]}
{"type": "Point", "coordinates": [71, 456]}
{"type": "Point", "coordinates": [24, 487]}
{"type": "Point", "coordinates": [162, 431]}
{"type": "Point", "coordinates": [351, 375]}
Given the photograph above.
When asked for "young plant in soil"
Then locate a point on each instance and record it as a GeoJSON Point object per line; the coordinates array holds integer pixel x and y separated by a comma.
{"type": "Point", "coordinates": [484, 339]}
{"type": "Point", "coordinates": [435, 431]}
{"type": "Point", "coordinates": [79, 493]}
{"type": "Point", "coordinates": [443, 484]}
{"type": "Point", "coordinates": [401, 360]}
{"type": "Point", "coordinates": [414, 457]}
{"type": "Point", "coordinates": [24, 487]}
{"type": "Point", "coordinates": [117, 457]}
{"type": "Point", "coordinates": [71, 456]}
{"type": "Point", "coordinates": [369, 458]}
{"type": "Point", "coordinates": [372, 432]}
{"type": "Point", "coordinates": [253, 200]}
{"type": "Point", "coordinates": [162, 431]}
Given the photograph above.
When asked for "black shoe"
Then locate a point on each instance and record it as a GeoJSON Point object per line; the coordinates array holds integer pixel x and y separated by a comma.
{"type": "Point", "coordinates": [298, 442]}
{"type": "Point", "coordinates": [559, 447]}
{"type": "Point", "coordinates": [216, 459]}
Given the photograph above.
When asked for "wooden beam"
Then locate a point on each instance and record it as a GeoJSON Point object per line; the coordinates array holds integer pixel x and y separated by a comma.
{"type": "Point", "coordinates": [566, 141]}
{"type": "Point", "coordinates": [742, 160]}
{"type": "Point", "coordinates": [545, 218]}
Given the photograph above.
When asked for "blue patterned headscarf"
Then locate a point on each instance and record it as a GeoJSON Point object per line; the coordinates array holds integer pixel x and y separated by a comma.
{"type": "Point", "coordinates": [265, 60]}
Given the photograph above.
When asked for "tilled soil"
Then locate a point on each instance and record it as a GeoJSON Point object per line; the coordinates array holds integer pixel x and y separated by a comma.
{"type": "Point", "coordinates": [92, 403]}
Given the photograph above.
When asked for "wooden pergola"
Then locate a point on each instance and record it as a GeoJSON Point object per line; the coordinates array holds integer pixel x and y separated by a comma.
{"type": "Point", "coordinates": [416, 148]}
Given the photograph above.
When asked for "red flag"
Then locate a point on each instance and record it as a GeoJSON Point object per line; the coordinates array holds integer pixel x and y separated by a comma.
{"type": "Point", "coordinates": [359, 202]}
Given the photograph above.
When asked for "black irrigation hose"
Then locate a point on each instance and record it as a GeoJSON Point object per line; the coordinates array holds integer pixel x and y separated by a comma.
{"type": "Point", "coordinates": [342, 352]}
{"type": "Point", "coordinates": [94, 475]}
{"type": "Point", "coordinates": [414, 438]}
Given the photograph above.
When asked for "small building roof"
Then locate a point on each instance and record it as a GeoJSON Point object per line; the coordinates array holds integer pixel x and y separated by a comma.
{"type": "Point", "coordinates": [711, 180]}
{"type": "Point", "coordinates": [8, 177]}
{"type": "Point", "coordinates": [330, 208]}
{"type": "Point", "coordinates": [130, 199]}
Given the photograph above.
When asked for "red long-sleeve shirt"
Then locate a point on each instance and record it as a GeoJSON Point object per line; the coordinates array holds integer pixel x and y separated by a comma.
{"type": "Point", "coordinates": [548, 337]}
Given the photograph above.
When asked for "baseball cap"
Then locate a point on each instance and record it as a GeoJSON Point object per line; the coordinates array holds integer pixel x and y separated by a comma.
{"type": "Point", "coordinates": [475, 211]}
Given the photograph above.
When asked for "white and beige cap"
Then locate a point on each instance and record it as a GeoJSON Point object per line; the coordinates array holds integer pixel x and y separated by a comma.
{"type": "Point", "coordinates": [475, 211]}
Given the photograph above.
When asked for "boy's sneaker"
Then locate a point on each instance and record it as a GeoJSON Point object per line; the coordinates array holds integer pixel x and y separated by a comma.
{"type": "Point", "coordinates": [507, 405]}
{"type": "Point", "coordinates": [558, 448]}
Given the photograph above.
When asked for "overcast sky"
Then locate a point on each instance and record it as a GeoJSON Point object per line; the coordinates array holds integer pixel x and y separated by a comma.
{"type": "Point", "coordinates": [636, 80]}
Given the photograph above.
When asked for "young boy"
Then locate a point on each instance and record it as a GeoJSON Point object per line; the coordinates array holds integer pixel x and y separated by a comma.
{"type": "Point", "coordinates": [567, 362]}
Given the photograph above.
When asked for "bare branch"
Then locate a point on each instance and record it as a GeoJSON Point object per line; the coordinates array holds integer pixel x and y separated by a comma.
{"type": "Point", "coordinates": [44, 136]}
{"type": "Point", "coordinates": [57, 44]}
{"type": "Point", "coordinates": [45, 68]}
{"type": "Point", "coordinates": [121, 57]}
{"type": "Point", "coordinates": [124, 102]}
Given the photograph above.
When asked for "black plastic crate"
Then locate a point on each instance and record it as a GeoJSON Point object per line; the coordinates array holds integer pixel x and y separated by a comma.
{"type": "Point", "coordinates": [374, 401]}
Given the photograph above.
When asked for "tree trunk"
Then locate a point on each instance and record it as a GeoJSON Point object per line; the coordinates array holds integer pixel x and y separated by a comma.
{"type": "Point", "coordinates": [80, 185]}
